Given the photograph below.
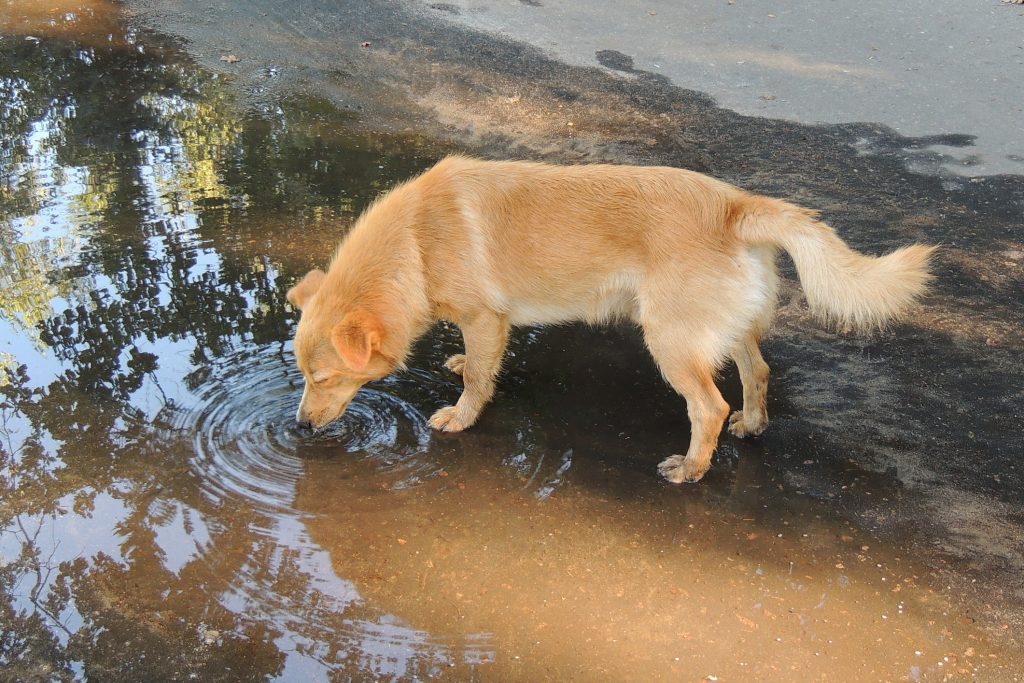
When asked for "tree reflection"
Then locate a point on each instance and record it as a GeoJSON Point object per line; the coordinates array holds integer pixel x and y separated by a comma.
{"type": "Point", "coordinates": [139, 231]}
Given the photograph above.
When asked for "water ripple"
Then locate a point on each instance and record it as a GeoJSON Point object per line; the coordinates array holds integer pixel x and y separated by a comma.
{"type": "Point", "coordinates": [246, 441]}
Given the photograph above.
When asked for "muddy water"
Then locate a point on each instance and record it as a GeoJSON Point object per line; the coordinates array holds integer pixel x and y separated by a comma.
{"type": "Point", "coordinates": [161, 518]}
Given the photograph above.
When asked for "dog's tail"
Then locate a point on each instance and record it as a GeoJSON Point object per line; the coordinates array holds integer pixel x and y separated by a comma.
{"type": "Point", "coordinates": [842, 286]}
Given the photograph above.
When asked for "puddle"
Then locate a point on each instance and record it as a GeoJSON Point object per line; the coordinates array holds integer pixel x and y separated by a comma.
{"type": "Point", "coordinates": [162, 517]}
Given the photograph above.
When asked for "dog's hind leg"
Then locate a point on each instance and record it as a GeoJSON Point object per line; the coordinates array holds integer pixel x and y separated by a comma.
{"type": "Point", "coordinates": [691, 317]}
{"type": "Point", "coordinates": [752, 420]}
{"type": "Point", "coordinates": [486, 335]}
{"type": "Point", "coordinates": [687, 359]}
{"type": "Point", "coordinates": [707, 410]}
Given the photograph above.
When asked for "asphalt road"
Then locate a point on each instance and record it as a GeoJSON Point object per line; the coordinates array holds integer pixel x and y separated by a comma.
{"type": "Point", "coordinates": [923, 68]}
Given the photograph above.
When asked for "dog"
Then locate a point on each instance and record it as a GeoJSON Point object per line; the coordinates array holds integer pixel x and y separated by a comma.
{"type": "Point", "coordinates": [492, 244]}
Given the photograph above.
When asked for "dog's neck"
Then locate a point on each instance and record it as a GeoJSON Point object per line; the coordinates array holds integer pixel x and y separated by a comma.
{"type": "Point", "coordinates": [378, 269]}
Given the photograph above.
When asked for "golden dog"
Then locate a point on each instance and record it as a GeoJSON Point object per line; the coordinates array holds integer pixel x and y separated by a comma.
{"type": "Point", "coordinates": [487, 245]}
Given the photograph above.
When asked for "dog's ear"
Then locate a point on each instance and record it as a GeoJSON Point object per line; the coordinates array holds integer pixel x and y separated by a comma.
{"type": "Point", "coordinates": [299, 294]}
{"type": "Point", "coordinates": [356, 338]}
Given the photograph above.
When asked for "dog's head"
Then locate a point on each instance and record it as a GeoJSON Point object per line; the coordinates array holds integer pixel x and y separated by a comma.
{"type": "Point", "coordinates": [336, 357]}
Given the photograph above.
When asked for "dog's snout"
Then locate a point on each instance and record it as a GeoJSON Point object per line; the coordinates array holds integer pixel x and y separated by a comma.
{"type": "Point", "coordinates": [302, 420]}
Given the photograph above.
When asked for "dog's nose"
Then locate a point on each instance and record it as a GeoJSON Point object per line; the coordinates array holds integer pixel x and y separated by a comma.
{"type": "Point", "coordinates": [304, 424]}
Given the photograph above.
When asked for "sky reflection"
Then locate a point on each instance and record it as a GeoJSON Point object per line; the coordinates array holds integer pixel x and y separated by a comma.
{"type": "Point", "coordinates": [136, 243]}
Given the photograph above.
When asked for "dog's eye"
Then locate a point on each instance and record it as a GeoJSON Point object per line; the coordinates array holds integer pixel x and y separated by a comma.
{"type": "Point", "coordinates": [322, 376]}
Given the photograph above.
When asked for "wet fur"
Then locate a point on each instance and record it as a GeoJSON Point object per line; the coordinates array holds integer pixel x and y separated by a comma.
{"type": "Point", "coordinates": [488, 245]}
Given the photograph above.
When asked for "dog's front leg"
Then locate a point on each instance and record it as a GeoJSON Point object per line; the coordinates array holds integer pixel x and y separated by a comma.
{"type": "Point", "coordinates": [486, 335]}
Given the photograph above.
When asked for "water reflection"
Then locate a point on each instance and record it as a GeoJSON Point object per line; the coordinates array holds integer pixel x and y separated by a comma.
{"type": "Point", "coordinates": [147, 467]}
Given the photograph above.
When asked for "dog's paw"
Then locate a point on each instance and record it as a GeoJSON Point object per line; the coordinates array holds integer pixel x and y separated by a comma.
{"type": "Point", "coordinates": [677, 469]}
{"type": "Point", "coordinates": [456, 363]}
{"type": "Point", "coordinates": [743, 426]}
{"type": "Point", "coordinates": [449, 419]}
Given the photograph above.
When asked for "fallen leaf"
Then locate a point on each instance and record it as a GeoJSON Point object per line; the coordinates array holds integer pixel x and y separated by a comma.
{"type": "Point", "coordinates": [230, 59]}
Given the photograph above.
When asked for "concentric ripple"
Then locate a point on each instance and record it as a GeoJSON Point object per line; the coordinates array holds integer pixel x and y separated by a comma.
{"type": "Point", "coordinates": [246, 441]}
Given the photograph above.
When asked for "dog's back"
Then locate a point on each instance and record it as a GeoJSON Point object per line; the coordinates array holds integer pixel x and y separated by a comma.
{"type": "Point", "coordinates": [546, 244]}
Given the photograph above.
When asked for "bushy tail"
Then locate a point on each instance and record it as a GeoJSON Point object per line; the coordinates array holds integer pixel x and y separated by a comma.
{"type": "Point", "coordinates": [842, 286]}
